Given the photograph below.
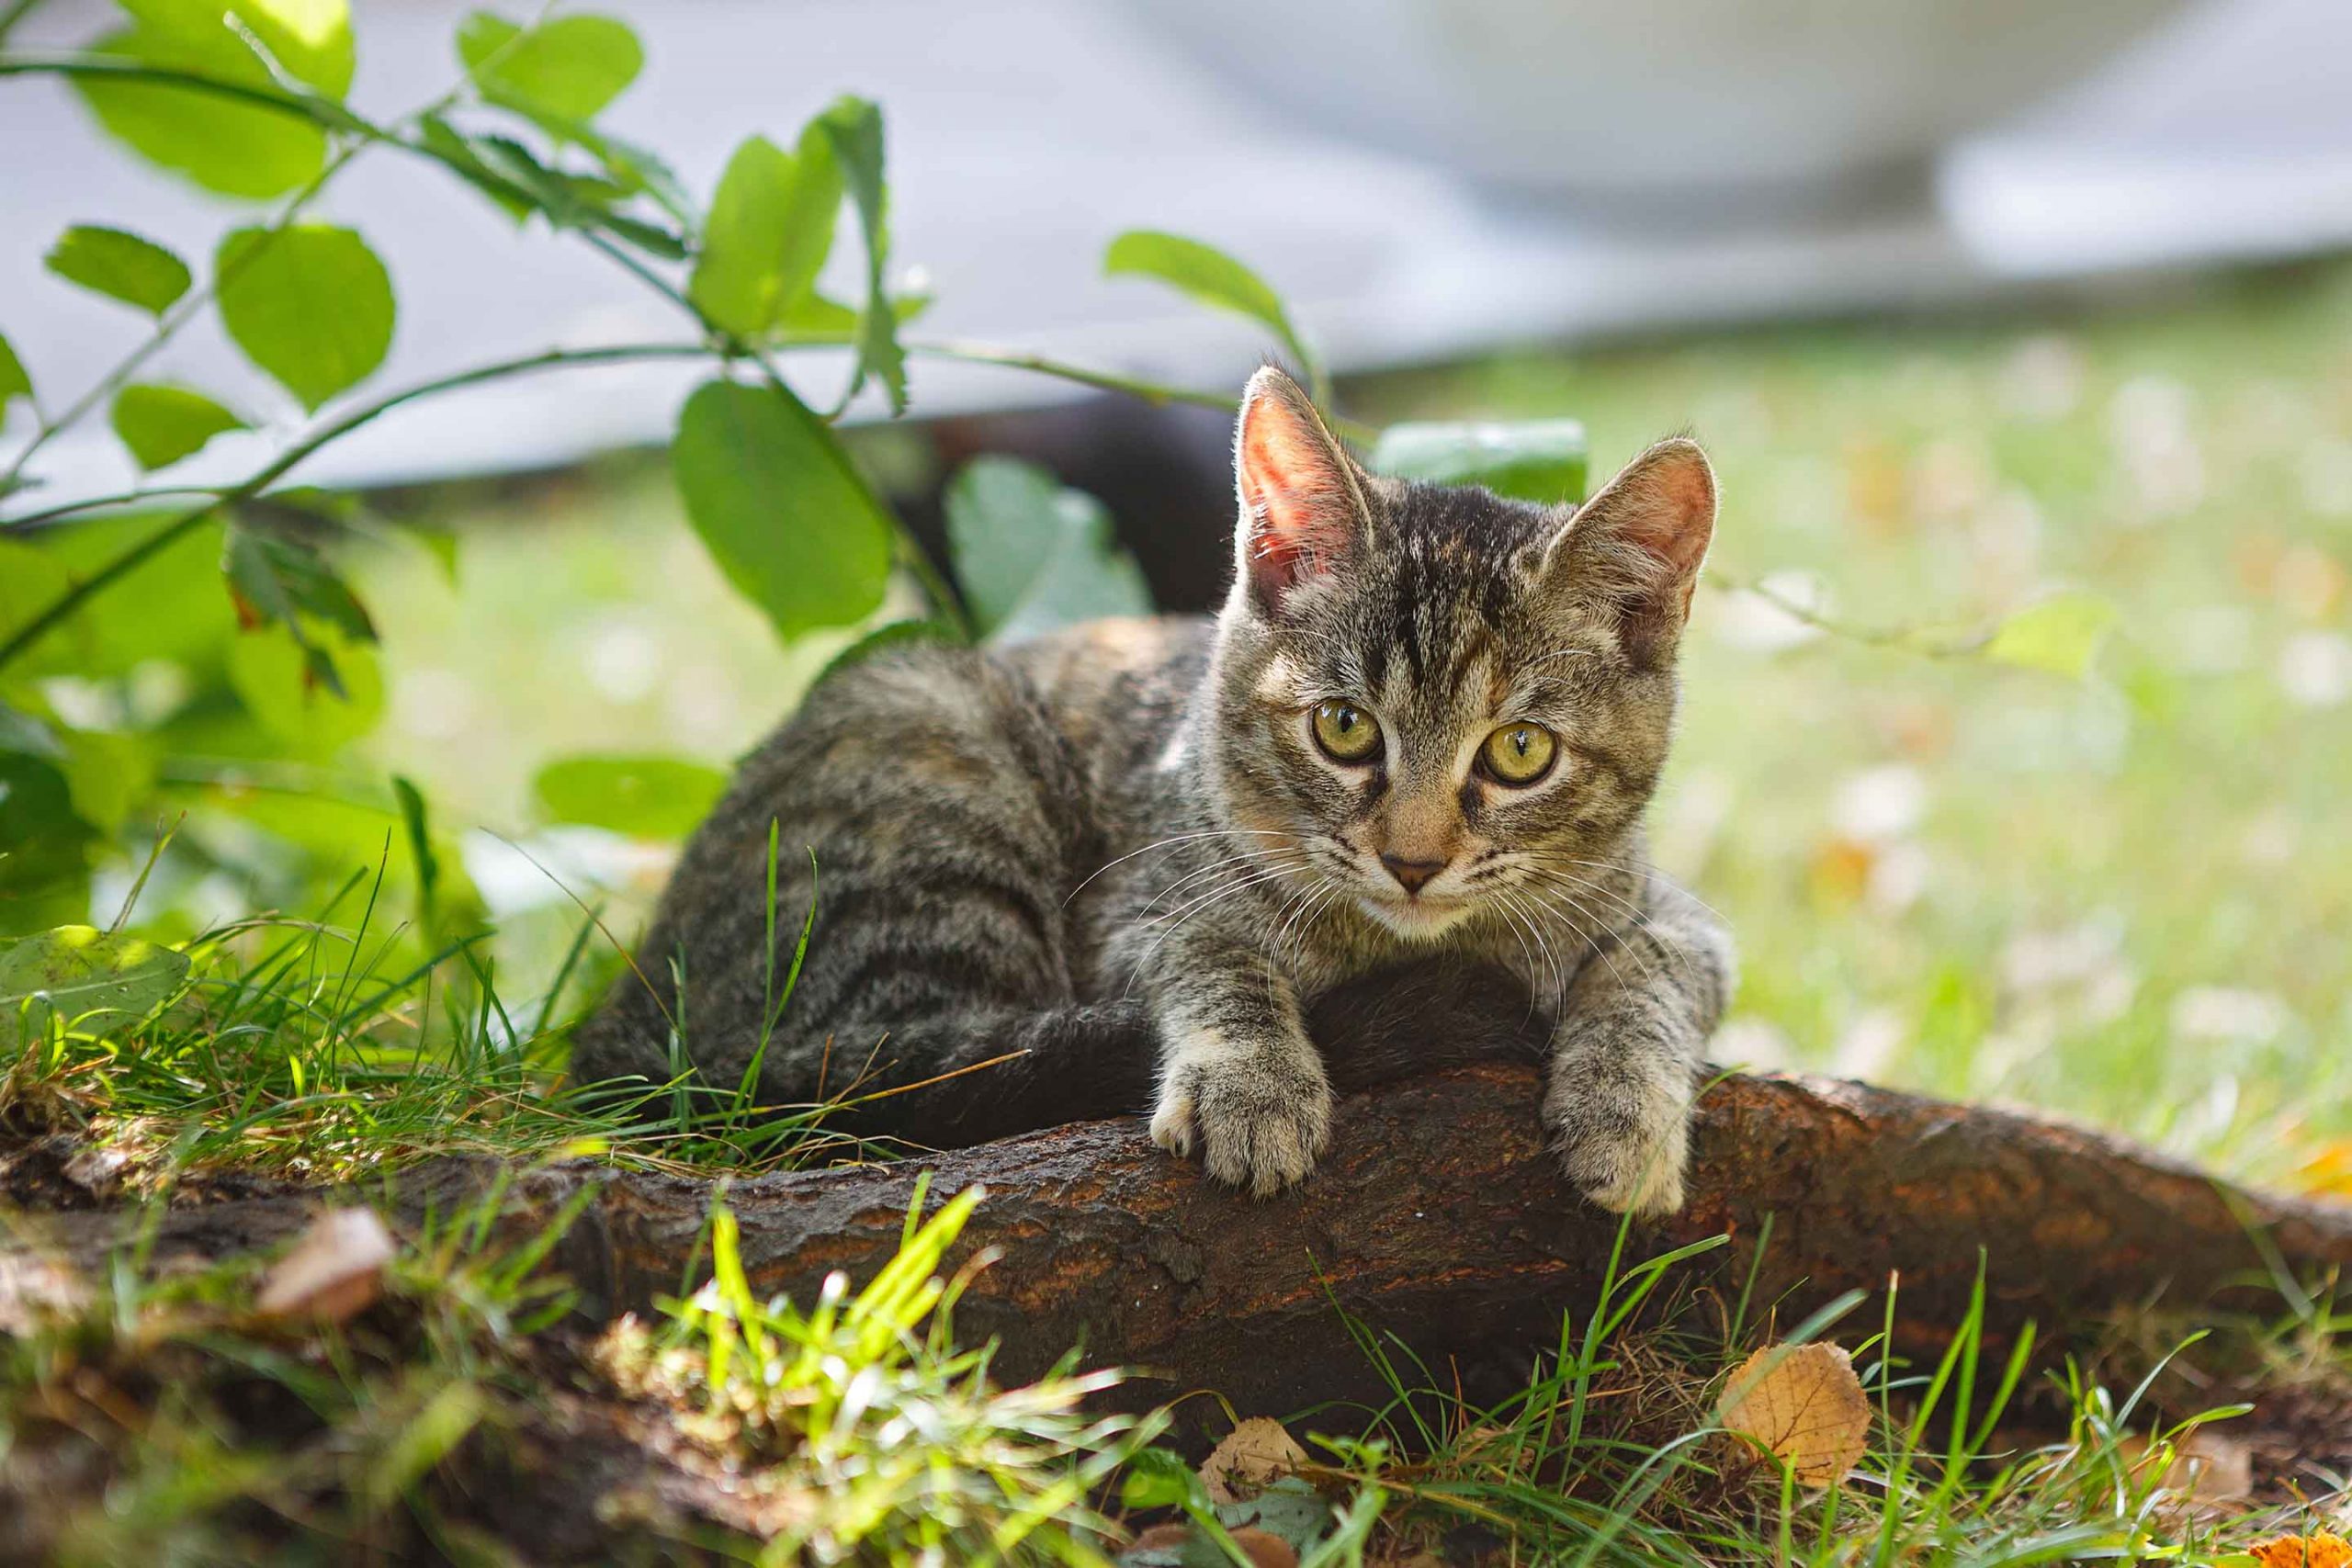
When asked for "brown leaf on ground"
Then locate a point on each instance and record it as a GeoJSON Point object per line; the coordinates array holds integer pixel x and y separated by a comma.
{"type": "Point", "coordinates": [333, 1272]}
{"type": "Point", "coordinates": [1804, 1405]}
{"type": "Point", "coordinates": [1252, 1456]}
{"type": "Point", "coordinates": [1264, 1549]}
{"type": "Point", "coordinates": [2321, 1551]}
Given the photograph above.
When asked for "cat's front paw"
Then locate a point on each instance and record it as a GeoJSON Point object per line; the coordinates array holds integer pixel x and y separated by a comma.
{"type": "Point", "coordinates": [1622, 1128]}
{"type": "Point", "coordinates": [1258, 1119]}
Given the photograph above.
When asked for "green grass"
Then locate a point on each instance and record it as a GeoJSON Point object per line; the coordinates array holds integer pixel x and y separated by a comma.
{"type": "Point", "coordinates": [320, 1049]}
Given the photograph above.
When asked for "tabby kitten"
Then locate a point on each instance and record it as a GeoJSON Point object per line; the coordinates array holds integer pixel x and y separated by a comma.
{"type": "Point", "coordinates": [1405, 766]}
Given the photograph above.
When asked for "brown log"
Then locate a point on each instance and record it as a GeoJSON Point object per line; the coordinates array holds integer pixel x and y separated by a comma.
{"type": "Point", "coordinates": [1439, 1216]}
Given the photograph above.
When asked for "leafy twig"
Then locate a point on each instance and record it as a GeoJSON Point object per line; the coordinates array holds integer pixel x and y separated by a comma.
{"type": "Point", "coordinates": [253, 485]}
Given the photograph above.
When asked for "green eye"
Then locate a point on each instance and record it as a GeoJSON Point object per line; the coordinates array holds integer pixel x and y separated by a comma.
{"type": "Point", "coordinates": [1346, 732]}
{"type": "Point", "coordinates": [1518, 754]}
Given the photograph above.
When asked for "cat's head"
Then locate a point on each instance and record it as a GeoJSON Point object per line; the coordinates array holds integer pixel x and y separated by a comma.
{"type": "Point", "coordinates": [1447, 700]}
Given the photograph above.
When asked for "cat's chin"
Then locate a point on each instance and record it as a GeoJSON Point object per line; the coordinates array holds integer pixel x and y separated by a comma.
{"type": "Point", "coordinates": [1416, 919]}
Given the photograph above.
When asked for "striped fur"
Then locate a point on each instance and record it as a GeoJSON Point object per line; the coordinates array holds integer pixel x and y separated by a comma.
{"type": "Point", "coordinates": [1118, 852]}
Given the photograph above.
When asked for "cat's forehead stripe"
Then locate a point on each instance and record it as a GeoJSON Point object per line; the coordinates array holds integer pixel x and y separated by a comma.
{"type": "Point", "coordinates": [1280, 681]}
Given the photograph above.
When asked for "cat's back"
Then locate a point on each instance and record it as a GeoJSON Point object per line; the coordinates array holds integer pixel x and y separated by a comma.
{"type": "Point", "coordinates": [1117, 688]}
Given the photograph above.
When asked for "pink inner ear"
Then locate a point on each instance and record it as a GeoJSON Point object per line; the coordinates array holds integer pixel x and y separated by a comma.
{"type": "Point", "coordinates": [1669, 511]}
{"type": "Point", "coordinates": [1295, 497]}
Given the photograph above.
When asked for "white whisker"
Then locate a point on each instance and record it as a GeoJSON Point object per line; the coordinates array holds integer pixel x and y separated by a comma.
{"type": "Point", "coordinates": [1599, 941]}
{"type": "Point", "coordinates": [1170, 841]}
{"type": "Point", "coordinates": [1641, 920]}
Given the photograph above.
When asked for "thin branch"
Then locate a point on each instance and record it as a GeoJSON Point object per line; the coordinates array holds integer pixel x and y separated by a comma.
{"type": "Point", "coordinates": [1922, 640]}
{"type": "Point", "coordinates": [146, 550]}
{"type": "Point", "coordinates": [1085, 375]}
{"type": "Point", "coordinates": [121, 501]}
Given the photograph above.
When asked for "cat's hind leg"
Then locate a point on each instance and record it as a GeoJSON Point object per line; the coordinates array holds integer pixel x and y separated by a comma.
{"type": "Point", "coordinates": [925, 801]}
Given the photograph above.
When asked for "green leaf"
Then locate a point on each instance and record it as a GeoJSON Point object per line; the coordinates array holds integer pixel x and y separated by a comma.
{"type": "Point", "coordinates": [1158, 1478]}
{"type": "Point", "coordinates": [13, 382]}
{"type": "Point", "coordinates": [31, 579]}
{"type": "Point", "coordinates": [74, 972]}
{"type": "Point", "coordinates": [420, 843]}
{"type": "Point", "coordinates": [2061, 635]}
{"type": "Point", "coordinates": [638, 170]}
{"type": "Point", "coordinates": [854, 127]}
{"type": "Point", "coordinates": [311, 39]}
{"type": "Point", "coordinates": [120, 265]}
{"type": "Point", "coordinates": [236, 149]}
{"type": "Point", "coordinates": [1031, 555]}
{"type": "Point", "coordinates": [1207, 275]}
{"type": "Point", "coordinates": [523, 183]}
{"type": "Point", "coordinates": [1289, 1507]}
{"type": "Point", "coordinates": [162, 424]}
{"type": "Point", "coordinates": [44, 847]}
{"type": "Point", "coordinates": [569, 67]}
{"type": "Point", "coordinates": [773, 496]}
{"type": "Point", "coordinates": [310, 304]}
{"type": "Point", "coordinates": [109, 776]}
{"type": "Point", "coordinates": [281, 582]}
{"type": "Point", "coordinates": [272, 578]}
{"type": "Point", "coordinates": [816, 316]}
{"type": "Point", "coordinates": [168, 608]}
{"type": "Point", "coordinates": [456, 150]}
{"type": "Point", "coordinates": [645, 797]}
{"type": "Point", "coordinates": [770, 227]}
{"type": "Point", "coordinates": [284, 683]}
{"type": "Point", "coordinates": [1542, 460]}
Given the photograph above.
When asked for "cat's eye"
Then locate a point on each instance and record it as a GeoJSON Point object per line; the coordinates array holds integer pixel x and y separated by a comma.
{"type": "Point", "coordinates": [1345, 731]}
{"type": "Point", "coordinates": [1519, 754]}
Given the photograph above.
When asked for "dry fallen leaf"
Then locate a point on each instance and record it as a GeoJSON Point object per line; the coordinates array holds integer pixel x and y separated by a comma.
{"type": "Point", "coordinates": [1805, 1404]}
{"type": "Point", "coordinates": [1254, 1454]}
{"type": "Point", "coordinates": [1264, 1549]}
{"type": "Point", "coordinates": [333, 1270]}
{"type": "Point", "coordinates": [97, 1169]}
{"type": "Point", "coordinates": [2321, 1551]}
{"type": "Point", "coordinates": [1163, 1538]}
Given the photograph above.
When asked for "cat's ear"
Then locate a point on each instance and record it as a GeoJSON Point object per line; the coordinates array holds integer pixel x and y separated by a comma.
{"type": "Point", "coordinates": [1302, 502]}
{"type": "Point", "coordinates": [1638, 544]}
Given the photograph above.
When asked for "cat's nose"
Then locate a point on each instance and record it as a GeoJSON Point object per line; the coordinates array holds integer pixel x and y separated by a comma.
{"type": "Point", "coordinates": [1412, 875]}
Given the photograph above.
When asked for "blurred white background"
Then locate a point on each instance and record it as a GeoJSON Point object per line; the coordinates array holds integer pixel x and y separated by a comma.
{"type": "Point", "coordinates": [1445, 177]}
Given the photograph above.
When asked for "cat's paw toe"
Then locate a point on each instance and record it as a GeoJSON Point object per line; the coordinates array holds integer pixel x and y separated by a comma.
{"type": "Point", "coordinates": [1264, 1130]}
{"type": "Point", "coordinates": [1173, 1127]}
{"type": "Point", "coordinates": [1626, 1150]}
{"type": "Point", "coordinates": [1623, 1180]}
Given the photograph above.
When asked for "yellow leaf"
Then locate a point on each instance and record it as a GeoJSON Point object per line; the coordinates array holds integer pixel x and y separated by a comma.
{"type": "Point", "coordinates": [2321, 1551]}
{"type": "Point", "coordinates": [1804, 1405]}
{"type": "Point", "coordinates": [2329, 1170]}
{"type": "Point", "coordinates": [1254, 1455]}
